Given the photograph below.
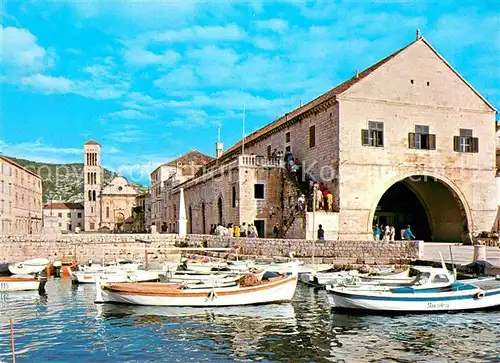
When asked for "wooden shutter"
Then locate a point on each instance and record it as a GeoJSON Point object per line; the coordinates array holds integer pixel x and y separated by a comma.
{"type": "Point", "coordinates": [456, 143]}
{"type": "Point", "coordinates": [312, 136]}
{"type": "Point", "coordinates": [365, 137]}
{"type": "Point", "coordinates": [475, 144]}
{"type": "Point", "coordinates": [432, 142]}
{"type": "Point", "coordinates": [411, 140]}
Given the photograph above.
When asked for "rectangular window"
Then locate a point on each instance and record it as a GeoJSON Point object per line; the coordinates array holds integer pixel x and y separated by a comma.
{"type": "Point", "coordinates": [107, 212]}
{"type": "Point", "coordinates": [79, 215]}
{"type": "Point", "coordinates": [374, 136]}
{"type": "Point", "coordinates": [69, 227]}
{"type": "Point", "coordinates": [312, 136]}
{"type": "Point", "coordinates": [421, 139]}
{"type": "Point", "coordinates": [92, 225]}
{"type": "Point", "coordinates": [287, 137]}
{"type": "Point", "coordinates": [234, 196]}
{"type": "Point", "coordinates": [288, 148]}
{"type": "Point", "coordinates": [268, 151]}
{"type": "Point", "coordinates": [258, 191]}
{"type": "Point", "coordinates": [466, 143]}
{"type": "Point", "coordinates": [68, 215]}
{"type": "Point", "coordinates": [59, 215]}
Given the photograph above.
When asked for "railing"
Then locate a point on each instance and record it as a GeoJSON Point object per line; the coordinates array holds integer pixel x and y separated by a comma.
{"type": "Point", "coordinates": [259, 160]}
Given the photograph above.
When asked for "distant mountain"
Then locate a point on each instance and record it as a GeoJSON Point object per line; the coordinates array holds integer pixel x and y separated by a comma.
{"type": "Point", "coordinates": [63, 182]}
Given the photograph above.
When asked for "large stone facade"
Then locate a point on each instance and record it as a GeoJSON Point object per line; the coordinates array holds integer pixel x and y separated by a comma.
{"type": "Point", "coordinates": [407, 141]}
{"type": "Point", "coordinates": [66, 216]}
{"type": "Point", "coordinates": [20, 199]}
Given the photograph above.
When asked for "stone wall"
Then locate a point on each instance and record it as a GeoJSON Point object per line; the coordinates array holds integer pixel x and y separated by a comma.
{"type": "Point", "coordinates": [137, 246]}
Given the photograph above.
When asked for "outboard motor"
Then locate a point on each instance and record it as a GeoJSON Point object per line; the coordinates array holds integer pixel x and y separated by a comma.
{"type": "Point", "coordinates": [43, 280]}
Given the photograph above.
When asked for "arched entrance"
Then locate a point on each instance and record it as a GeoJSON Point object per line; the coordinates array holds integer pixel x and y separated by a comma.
{"type": "Point", "coordinates": [430, 205]}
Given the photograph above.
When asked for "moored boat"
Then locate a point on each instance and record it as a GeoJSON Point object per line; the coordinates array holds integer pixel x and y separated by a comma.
{"type": "Point", "coordinates": [18, 283]}
{"type": "Point", "coordinates": [29, 267]}
{"type": "Point", "coordinates": [432, 290]}
{"type": "Point", "coordinates": [277, 290]}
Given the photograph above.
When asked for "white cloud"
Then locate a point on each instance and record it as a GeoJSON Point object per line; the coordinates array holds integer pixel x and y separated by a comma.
{"type": "Point", "coordinates": [142, 57]}
{"type": "Point", "coordinates": [276, 25]}
{"type": "Point", "coordinates": [41, 152]}
{"type": "Point", "coordinates": [127, 133]}
{"type": "Point", "coordinates": [230, 32]}
{"type": "Point", "coordinates": [20, 54]}
{"type": "Point", "coordinates": [130, 115]}
{"type": "Point", "coordinates": [48, 84]}
{"type": "Point", "coordinates": [264, 43]}
{"type": "Point", "coordinates": [179, 78]}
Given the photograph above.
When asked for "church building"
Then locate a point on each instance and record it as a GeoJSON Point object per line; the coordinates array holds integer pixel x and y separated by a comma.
{"type": "Point", "coordinates": [107, 206]}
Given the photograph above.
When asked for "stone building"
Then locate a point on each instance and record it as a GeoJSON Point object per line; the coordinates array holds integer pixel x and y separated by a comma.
{"type": "Point", "coordinates": [20, 199]}
{"type": "Point", "coordinates": [406, 141]}
{"type": "Point", "coordinates": [141, 205]}
{"type": "Point", "coordinates": [172, 173]}
{"type": "Point", "coordinates": [107, 206]}
{"type": "Point", "coordinates": [69, 215]}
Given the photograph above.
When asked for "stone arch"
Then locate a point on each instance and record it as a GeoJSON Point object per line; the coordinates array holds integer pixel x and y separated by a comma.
{"type": "Point", "coordinates": [449, 215]}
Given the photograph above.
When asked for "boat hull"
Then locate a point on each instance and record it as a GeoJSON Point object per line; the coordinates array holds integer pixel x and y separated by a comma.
{"type": "Point", "coordinates": [114, 277]}
{"type": "Point", "coordinates": [29, 267]}
{"type": "Point", "coordinates": [8, 284]}
{"type": "Point", "coordinates": [273, 292]}
{"type": "Point", "coordinates": [422, 302]}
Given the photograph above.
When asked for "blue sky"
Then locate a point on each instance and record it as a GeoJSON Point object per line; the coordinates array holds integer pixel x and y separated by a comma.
{"type": "Point", "coordinates": [151, 80]}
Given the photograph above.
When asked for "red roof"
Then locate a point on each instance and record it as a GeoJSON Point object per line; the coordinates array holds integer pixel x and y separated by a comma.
{"type": "Point", "coordinates": [92, 142]}
{"type": "Point", "coordinates": [317, 101]}
{"type": "Point", "coordinates": [63, 206]}
{"type": "Point", "coordinates": [193, 157]}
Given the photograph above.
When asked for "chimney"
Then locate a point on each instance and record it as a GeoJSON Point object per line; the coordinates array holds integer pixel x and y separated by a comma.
{"type": "Point", "coordinates": [218, 145]}
{"type": "Point", "coordinates": [418, 34]}
{"type": "Point", "coordinates": [357, 73]}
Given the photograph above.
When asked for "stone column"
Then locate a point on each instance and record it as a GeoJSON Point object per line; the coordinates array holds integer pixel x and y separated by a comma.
{"type": "Point", "coordinates": [182, 221]}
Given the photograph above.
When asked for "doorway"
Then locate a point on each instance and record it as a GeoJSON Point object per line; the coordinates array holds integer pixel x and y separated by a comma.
{"type": "Point", "coordinates": [260, 225]}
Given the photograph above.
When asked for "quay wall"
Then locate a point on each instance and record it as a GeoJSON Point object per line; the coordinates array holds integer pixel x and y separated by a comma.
{"type": "Point", "coordinates": [157, 248]}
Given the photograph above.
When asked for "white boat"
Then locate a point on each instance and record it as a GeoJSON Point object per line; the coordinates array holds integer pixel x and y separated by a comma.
{"type": "Point", "coordinates": [18, 283]}
{"type": "Point", "coordinates": [277, 290]}
{"type": "Point", "coordinates": [29, 267]}
{"type": "Point", "coordinates": [114, 276]}
{"type": "Point", "coordinates": [433, 290]}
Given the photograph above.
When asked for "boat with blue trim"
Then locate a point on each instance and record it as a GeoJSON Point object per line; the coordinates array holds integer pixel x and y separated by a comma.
{"type": "Point", "coordinates": [432, 290]}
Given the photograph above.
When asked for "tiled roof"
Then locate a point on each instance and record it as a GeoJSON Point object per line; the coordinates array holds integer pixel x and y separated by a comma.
{"type": "Point", "coordinates": [12, 162]}
{"type": "Point", "coordinates": [193, 157]}
{"type": "Point", "coordinates": [317, 101]}
{"type": "Point", "coordinates": [63, 206]}
{"type": "Point", "coordinates": [92, 142]}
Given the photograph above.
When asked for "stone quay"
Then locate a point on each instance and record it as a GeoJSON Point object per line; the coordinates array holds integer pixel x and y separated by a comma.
{"type": "Point", "coordinates": [157, 248]}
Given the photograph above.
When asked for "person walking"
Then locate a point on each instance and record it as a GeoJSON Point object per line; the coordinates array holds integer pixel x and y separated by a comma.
{"type": "Point", "coordinates": [392, 233]}
{"type": "Point", "coordinates": [408, 235]}
{"type": "Point", "coordinates": [236, 230]}
{"type": "Point", "coordinates": [319, 199]}
{"type": "Point", "coordinates": [276, 230]}
{"type": "Point", "coordinates": [321, 233]}
{"type": "Point", "coordinates": [376, 233]}
{"type": "Point", "coordinates": [301, 201]}
{"type": "Point", "coordinates": [243, 230]}
{"type": "Point", "coordinates": [329, 201]}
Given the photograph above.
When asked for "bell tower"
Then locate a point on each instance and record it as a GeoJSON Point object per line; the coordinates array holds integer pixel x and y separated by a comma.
{"type": "Point", "coordinates": [92, 185]}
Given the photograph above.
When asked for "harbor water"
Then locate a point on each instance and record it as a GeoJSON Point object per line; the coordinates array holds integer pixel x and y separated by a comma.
{"type": "Point", "coordinates": [66, 326]}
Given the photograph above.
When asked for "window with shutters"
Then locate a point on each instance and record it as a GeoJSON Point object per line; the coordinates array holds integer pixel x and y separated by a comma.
{"type": "Point", "coordinates": [312, 136]}
{"type": "Point", "coordinates": [466, 142]}
{"type": "Point", "coordinates": [268, 151]}
{"type": "Point", "coordinates": [374, 135]}
{"type": "Point", "coordinates": [287, 137]}
{"type": "Point", "coordinates": [421, 139]}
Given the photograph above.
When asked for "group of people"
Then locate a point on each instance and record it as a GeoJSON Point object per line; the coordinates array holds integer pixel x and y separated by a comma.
{"type": "Point", "coordinates": [388, 233]}
{"type": "Point", "coordinates": [234, 230]}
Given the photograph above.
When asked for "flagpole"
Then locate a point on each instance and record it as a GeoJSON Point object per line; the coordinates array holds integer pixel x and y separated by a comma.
{"type": "Point", "coordinates": [243, 131]}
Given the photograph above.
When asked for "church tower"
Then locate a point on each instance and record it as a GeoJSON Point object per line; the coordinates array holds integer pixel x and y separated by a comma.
{"type": "Point", "coordinates": [92, 185]}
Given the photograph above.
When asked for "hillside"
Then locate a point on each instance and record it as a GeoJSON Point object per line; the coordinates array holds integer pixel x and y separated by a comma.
{"type": "Point", "coordinates": [63, 181]}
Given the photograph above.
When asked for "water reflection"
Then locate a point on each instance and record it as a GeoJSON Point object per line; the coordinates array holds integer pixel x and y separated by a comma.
{"type": "Point", "coordinates": [68, 326]}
